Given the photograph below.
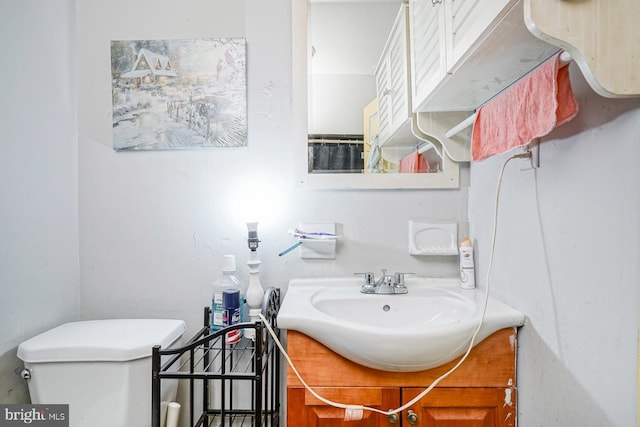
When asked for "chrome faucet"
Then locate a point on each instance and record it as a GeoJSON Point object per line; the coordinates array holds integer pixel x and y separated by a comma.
{"type": "Point", "coordinates": [386, 284]}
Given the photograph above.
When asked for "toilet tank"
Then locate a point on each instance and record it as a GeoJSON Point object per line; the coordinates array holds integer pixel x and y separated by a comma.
{"type": "Point", "coordinates": [101, 368]}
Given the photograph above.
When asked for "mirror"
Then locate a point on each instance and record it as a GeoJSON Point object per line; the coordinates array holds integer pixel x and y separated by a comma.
{"type": "Point", "coordinates": [337, 46]}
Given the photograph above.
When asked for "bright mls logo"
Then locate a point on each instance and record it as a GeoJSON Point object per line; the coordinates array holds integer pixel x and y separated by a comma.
{"type": "Point", "coordinates": [36, 415]}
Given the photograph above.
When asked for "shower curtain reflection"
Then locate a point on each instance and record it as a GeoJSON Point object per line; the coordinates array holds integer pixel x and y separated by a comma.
{"type": "Point", "coordinates": [336, 154]}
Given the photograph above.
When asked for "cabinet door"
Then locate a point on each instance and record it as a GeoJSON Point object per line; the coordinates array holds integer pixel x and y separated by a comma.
{"type": "Point", "coordinates": [443, 35]}
{"type": "Point", "coordinates": [428, 48]}
{"type": "Point", "coordinates": [384, 100]}
{"type": "Point", "coordinates": [399, 71]}
{"type": "Point", "coordinates": [304, 410]}
{"type": "Point", "coordinates": [466, 21]}
{"type": "Point", "coordinates": [392, 80]}
{"type": "Point", "coordinates": [463, 407]}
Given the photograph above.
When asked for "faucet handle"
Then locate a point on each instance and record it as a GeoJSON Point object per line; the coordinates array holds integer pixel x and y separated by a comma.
{"type": "Point", "coordinates": [399, 278]}
{"type": "Point", "coordinates": [369, 278]}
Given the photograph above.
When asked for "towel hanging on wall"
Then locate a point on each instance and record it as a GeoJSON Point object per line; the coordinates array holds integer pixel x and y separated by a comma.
{"type": "Point", "coordinates": [529, 109]}
{"type": "Point", "coordinates": [414, 163]}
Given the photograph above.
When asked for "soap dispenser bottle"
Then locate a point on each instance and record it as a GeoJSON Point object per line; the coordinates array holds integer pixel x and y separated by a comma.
{"type": "Point", "coordinates": [227, 281]}
{"type": "Point", "coordinates": [467, 269]}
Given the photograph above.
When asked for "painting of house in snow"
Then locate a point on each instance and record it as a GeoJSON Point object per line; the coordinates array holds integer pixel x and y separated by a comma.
{"type": "Point", "coordinates": [148, 68]}
{"type": "Point", "coordinates": [179, 94]}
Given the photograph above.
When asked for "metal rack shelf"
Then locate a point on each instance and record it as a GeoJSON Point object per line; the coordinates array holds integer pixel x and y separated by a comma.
{"type": "Point", "coordinates": [237, 384]}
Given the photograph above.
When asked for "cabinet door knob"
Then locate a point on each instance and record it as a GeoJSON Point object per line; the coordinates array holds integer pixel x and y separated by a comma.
{"type": "Point", "coordinates": [393, 418]}
{"type": "Point", "coordinates": [412, 417]}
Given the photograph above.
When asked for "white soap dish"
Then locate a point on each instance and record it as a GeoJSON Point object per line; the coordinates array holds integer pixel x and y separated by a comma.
{"type": "Point", "coordinates": [428, 238]}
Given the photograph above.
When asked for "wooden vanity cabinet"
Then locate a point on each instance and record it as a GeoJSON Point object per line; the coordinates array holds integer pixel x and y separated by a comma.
{"type": "Point", "coordinates": [481, 393]}
{"type": "Point", "coordinates": [303, 409]}
{"type": "Point", "coordinates": [462, 407]}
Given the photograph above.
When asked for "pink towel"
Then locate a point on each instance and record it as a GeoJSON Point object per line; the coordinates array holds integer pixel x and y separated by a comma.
{"type": "Point", "coordinates": [414, 163]}
{"type": "Point", "coordinates": [529, 109]}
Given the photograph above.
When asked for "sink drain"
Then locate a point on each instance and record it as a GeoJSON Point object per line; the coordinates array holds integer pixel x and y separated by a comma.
{"type": "Point", "coordinates": [386, 307]}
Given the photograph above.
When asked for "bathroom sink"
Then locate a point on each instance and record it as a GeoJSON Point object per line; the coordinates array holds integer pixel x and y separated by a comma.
{"type": "Point", "coordinates": [429, 326]}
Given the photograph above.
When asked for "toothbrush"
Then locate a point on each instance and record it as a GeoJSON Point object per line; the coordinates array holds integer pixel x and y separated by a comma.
{"type": "Point", "coordinates": [313, 235]}
{"type": "Point", "coordinates": [290, 248]}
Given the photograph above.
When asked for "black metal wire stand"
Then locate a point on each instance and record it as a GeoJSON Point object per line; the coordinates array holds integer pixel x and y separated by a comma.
{"type": "Point", "coordinates": [239, 384]}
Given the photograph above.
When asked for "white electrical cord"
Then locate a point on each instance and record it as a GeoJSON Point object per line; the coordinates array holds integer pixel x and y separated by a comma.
{"type": "Point", "coordinates": [360, 408]}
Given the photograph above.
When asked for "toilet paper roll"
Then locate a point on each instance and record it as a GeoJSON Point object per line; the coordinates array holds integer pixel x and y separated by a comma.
{"type": "Point", "coordinates": [173, 413]}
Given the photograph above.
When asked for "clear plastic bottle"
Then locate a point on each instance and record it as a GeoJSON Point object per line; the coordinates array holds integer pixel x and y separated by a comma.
{"type": "Point", "coordinates": [227, 281]}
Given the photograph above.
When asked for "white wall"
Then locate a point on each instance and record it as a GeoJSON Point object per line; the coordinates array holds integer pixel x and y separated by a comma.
{"type": "Point", "coordinates": [567, 255]}
{"type": "Point", "coordinates": [39, 278]}
{"type": "Point", "coordinates": [336, 102]}
{"type": "Point", "coordinates": [348, 39]}
{"type": "Point", "coordinates": [154, 225]}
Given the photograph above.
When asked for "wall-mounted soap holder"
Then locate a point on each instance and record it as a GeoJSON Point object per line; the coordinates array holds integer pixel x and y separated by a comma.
{"type": "Point", "coordinates": [433, 238]}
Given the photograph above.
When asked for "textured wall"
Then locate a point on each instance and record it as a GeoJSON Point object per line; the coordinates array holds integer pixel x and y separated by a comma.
{"type": "Point", "coordinates": [39, 283]}
{"type": "Point", "coordinates": [567, 255]}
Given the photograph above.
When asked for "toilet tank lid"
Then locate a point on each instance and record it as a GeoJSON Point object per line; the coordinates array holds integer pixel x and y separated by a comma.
{"type": "Point", "coordinates": [101, 340]}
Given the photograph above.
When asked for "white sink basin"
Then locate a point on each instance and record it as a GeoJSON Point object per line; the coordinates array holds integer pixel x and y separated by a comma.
{"type": "Point", "coordinates": [425, 328]}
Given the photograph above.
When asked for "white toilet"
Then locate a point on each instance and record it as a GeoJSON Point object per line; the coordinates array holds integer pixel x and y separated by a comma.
{"type": "Point", "coordinates": [101, 368]}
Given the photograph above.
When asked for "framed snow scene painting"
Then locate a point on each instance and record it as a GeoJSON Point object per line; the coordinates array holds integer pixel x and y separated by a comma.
{"type": "Point", "coordinates": [179, 94]}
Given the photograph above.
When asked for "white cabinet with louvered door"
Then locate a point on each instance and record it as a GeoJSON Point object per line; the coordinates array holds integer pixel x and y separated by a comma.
{"type": "Point", "coordinates": [467, 21]}
{"type": "Point", "coordinates": [443, 34]}
{"type": "Point", "coordinates": [428, 50]}
{"type": "Point", "coordinates": [393, 87]}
